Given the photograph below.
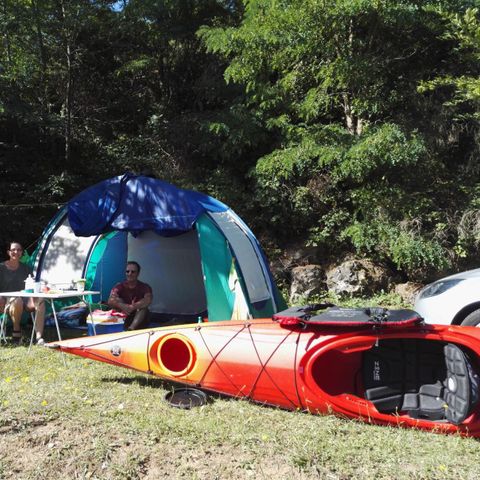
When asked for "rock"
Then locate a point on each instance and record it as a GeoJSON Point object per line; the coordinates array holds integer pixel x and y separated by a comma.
{"type": "Point", "coordinates": [358, 277]}
{"type": "Point", "coordinates": [307, 281]}
{"type": "Point", "coordinates": [299, 255]}
{"type": "Point", "coordinates": [280, 274]}
{"type": "Point", "coordinates": [408, 291]}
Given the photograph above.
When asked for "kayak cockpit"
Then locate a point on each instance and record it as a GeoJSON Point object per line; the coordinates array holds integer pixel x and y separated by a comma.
{"type": "Point", "coordinates": [423, 379]}
{"type": "Point", "coordinates": [430, 380]}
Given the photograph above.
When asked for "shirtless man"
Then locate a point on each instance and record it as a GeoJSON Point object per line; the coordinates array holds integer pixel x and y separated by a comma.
{"type": "Point", "coordinates": [12, 278]}
{"type": "Point", "coordinates": [133, 298]}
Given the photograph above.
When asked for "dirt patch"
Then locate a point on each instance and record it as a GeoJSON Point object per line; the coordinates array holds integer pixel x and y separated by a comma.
{"type": "Point", "coordinates": [37, 449]}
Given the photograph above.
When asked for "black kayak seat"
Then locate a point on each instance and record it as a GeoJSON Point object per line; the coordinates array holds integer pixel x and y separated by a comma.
{"type": "Point", "coordinates": [462, 383]}
{"type": "Point", "coordinates": [427, 379]}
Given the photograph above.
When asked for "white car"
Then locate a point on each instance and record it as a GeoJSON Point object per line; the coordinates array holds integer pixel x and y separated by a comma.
{"type": "Point", "coordinates": [451, 300]}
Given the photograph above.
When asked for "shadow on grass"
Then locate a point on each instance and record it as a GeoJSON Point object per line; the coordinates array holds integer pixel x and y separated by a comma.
{"type": "Point", "coordinates": [169, 386]}
{"type": "Point", "coordinates": [67, 333]}
{"type": "Point", "coordinates": [142, 381]}
{"type": "Point", "coordinates": [49, 333]}
{"type": "Point", "coordinates": [16, 425]}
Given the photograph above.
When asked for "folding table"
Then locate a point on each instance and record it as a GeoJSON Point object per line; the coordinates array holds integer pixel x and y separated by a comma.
{"type": "Point", "coordinates": [50, 297]}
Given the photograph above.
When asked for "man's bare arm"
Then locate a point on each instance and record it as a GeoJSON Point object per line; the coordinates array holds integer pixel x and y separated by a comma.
{"type": "Point", "coordinates": [144, 302]}
{"type": "Point", "coordinates": [117, 303]}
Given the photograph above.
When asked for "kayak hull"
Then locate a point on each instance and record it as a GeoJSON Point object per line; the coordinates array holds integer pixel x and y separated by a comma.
{"type": "Point", "coordinates": [297, 368]}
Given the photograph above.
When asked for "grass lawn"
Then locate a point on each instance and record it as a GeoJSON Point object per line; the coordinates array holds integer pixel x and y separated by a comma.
{"type": "Point", "coordinates": [89, 420]}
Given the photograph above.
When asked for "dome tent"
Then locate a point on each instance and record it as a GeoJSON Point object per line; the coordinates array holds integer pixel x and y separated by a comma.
{"type": "Point", "coordinates": [199, 257]}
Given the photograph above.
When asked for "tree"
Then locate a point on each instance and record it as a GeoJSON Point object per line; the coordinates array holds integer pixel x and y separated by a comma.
{"type": "Point", "coordinates": [336, 84]}
{"type": "Point", "coordinates": [89, 91]}
{"type": "Point", "coordinates": [460, 92]}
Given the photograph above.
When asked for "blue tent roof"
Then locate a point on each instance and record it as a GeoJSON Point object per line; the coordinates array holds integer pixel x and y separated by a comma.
{"type": "Point", "coordinates": [136, 203]}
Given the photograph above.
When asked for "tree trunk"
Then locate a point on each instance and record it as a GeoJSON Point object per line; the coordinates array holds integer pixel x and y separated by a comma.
{"type": "Point", "coordinates": [6, 34]}
{"type": "Point", "coordinates": [38, 30]}
{"type": "Point", "coordinates": [353, 123]}
{"type": "Point", "coordinates": [68, 102]}
{"type": "Point", "coordinates": [45, 109]}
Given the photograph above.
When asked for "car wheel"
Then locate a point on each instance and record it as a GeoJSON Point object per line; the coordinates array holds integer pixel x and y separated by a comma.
{"type": "Point", "coordinates": [473, 319]}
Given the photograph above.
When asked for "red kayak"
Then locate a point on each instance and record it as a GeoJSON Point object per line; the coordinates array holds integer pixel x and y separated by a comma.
{"type": "Point", "coordinates": [378, 366]}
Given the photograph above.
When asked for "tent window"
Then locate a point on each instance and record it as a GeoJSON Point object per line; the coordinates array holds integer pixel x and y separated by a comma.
{"type": "Point", "coordinates": [65, 256]}
{"type": "Point", "coordinates": [246, 256]}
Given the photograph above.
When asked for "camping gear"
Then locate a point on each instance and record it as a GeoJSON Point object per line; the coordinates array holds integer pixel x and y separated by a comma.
{"type": "Point", "coordinates": [6, 321]}
{"type": "Point", "coordinates": [375, 365]}
{"type": "Point", "coordinates": [29, 284]}
{"type": "Point", "coordinates": [100, 322]}
{"type": "Point", "coordinates": [189, 245]}
{"type": "Point", "coordinates": [186, 398]}
{"type": "Point", "coordinates": [80, 284]}
{"type": "Point", "coordinates": [69, 317]}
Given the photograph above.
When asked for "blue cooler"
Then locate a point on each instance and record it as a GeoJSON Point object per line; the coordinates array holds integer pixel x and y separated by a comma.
{"type": "Point", "coordinates": [104, 323]}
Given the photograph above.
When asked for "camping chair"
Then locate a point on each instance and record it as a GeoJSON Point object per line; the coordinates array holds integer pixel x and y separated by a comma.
{"type": "Point", "coordinates": [5, 319]}
{"type": "Point", "coordinates": [3, 327]}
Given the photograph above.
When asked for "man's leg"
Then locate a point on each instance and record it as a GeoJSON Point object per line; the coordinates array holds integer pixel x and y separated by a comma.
{"type": "Point", "coordinates": [128, 321]}
{"type": "Point", "coordinates": [140, 320]}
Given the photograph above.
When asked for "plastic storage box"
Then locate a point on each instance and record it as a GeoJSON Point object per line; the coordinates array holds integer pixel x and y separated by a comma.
{"type": "Point", "coordinates": [105, 322]}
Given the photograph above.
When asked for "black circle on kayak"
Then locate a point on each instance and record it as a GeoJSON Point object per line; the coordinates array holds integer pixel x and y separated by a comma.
{"type": "Point", "coordinates": [186, 398]}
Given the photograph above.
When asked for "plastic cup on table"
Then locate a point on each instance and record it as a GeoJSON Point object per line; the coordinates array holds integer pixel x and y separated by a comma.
{"type": "Point", "coordinates": [80, 284]}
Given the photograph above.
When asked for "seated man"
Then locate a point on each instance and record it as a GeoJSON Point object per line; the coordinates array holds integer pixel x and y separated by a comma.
{"type": "Point", "coordinates": [12, 278]}
{"type": "Point", "coordinates": [133, 298]}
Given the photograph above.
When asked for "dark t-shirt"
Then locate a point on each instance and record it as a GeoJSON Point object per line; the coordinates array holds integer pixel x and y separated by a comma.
{"type": "Point", "coordinates": [131, 295]}
{"type": "Point", "coordinates": [13, 280]}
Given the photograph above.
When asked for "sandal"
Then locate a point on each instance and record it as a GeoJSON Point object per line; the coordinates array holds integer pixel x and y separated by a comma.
{"type": "Point", "coordinates": [17, 337]}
